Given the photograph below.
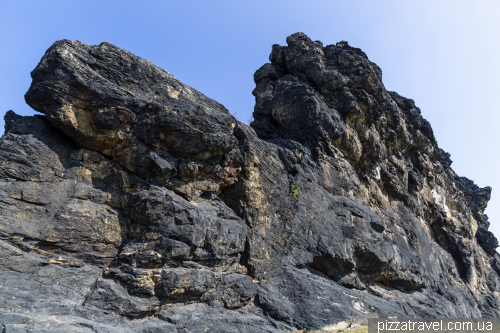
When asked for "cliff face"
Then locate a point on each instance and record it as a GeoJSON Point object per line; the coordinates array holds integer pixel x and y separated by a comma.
{"type": "Point", "coordinates": [137, 203]}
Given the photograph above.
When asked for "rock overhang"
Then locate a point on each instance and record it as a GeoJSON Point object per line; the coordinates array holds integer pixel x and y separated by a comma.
{"type": "Point", "coordinates": [180, 204]}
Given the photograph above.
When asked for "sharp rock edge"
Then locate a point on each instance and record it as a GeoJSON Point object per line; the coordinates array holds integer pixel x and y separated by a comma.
{"type": "Point", "coordinates": [138, 204]}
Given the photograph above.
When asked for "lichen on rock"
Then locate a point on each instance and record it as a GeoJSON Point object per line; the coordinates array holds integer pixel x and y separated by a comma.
{"type": "Point", "coordinates": [136, 203]}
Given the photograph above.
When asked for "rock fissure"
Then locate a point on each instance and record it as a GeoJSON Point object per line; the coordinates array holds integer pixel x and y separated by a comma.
{"type": "Point", "coordinates": [137, 197]}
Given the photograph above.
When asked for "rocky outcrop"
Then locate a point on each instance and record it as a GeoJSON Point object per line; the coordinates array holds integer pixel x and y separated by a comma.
{"type": "Point", "coordinates": [138, 204]}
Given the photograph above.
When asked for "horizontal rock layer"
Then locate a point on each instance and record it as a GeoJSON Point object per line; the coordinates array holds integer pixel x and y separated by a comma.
{"type": "Point", "coordinates": [138, 204]}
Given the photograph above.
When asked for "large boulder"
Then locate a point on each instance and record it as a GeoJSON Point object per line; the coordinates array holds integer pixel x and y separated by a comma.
{"type": "Point", "coordinates": [136, 203]}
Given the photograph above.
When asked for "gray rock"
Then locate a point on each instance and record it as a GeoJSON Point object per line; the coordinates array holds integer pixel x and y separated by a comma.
{"type": "Point", "coordinates": [138, 204]}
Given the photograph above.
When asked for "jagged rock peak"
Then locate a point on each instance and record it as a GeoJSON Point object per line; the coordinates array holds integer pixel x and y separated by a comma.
{"type": "Point", "coordinates": [332, 97]}
{"type": "Point", "coordinates": [136, 203]}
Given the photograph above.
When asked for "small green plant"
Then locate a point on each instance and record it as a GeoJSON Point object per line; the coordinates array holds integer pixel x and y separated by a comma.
{"type": "Point", "coordinates": [480, 214]}
{"type": "Point", "coordinates": [294, 192]}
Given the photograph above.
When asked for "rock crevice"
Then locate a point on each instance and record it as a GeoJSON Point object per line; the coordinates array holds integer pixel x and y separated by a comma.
{"type": "Point", "coordinates": [137, 197]}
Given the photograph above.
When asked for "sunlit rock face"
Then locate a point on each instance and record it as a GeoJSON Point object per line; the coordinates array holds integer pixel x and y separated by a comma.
{"type": "Point", "coordinates": [138, 204]}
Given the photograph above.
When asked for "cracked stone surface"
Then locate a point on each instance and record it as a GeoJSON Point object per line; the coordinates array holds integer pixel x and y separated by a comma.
{"type": "Point", "coordinates": [136, 203]}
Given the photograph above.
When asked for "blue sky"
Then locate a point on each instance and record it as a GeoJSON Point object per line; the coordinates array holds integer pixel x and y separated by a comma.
{"type": "Point", "coordinates": [443, 54]}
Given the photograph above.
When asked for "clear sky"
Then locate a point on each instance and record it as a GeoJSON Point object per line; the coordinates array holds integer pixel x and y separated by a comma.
{"type": "Point", "coordinates": [443, 54]}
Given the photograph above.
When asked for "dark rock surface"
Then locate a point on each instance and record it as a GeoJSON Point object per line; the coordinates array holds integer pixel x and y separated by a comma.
{"type": "Point", "coordinates": [138, 204]}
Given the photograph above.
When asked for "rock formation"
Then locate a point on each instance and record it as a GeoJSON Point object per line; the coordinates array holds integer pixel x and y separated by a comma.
{"type": "Point", "coordinates": [137, 204]}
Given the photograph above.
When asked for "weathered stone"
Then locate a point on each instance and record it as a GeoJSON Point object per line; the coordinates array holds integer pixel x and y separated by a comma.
{"type": "Point", "coordinates": [138, 204]}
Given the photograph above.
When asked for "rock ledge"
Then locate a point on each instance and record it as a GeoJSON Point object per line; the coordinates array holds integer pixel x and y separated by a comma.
{"type": "Point", "coordinates": [136, 203]}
